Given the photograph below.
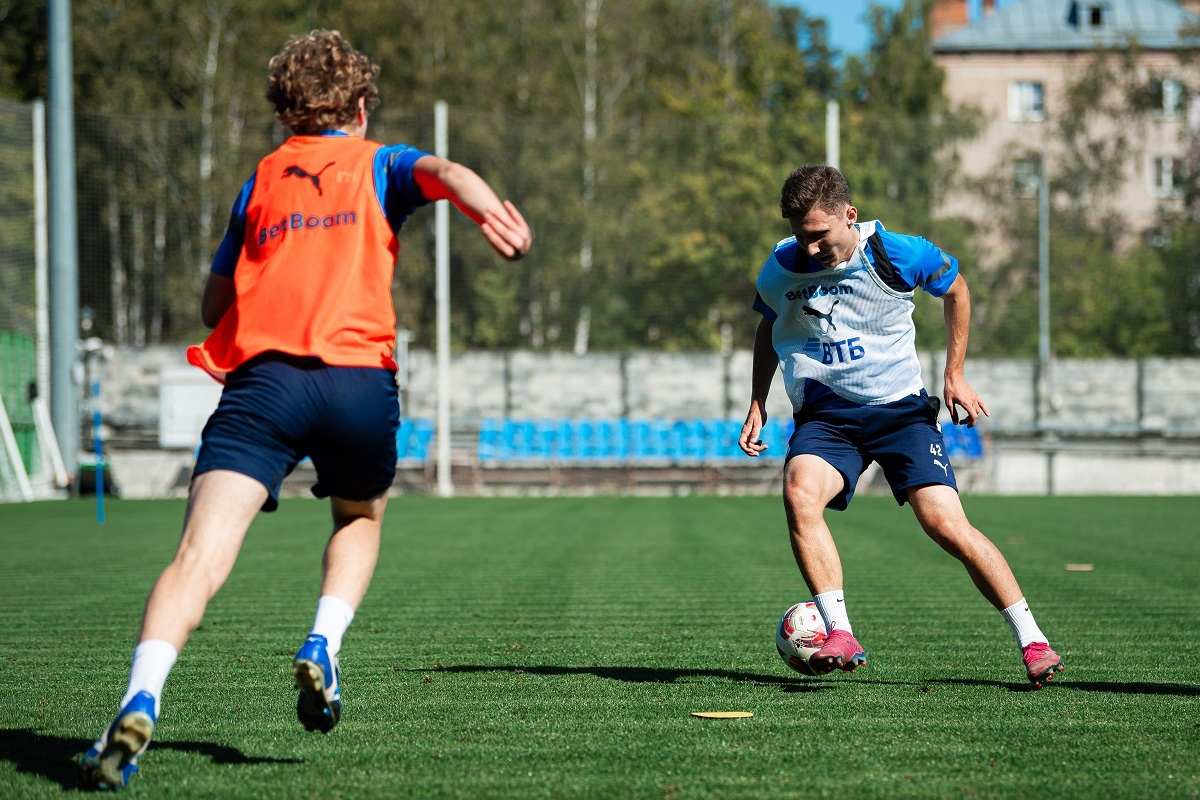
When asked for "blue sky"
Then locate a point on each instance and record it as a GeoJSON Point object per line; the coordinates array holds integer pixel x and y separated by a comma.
{"type": "Point", "coordinates": [848, 31]}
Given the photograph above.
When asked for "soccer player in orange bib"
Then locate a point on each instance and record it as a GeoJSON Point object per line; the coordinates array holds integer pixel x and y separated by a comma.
{"type": "Point", "coordinates": [299, 298]}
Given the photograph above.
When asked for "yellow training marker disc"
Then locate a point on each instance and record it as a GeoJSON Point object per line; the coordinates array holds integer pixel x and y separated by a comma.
{"type": "Point", "coordinates": [722, 714]}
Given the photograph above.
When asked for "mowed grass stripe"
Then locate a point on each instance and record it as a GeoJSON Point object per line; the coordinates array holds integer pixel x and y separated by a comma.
{"type": "Point", "coordinates": [556, 647]}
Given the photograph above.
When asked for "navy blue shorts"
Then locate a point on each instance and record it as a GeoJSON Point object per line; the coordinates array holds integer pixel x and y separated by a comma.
{"type": "Point", "coordinates": [902, 436]}
{"type": "Point", "coordinates": [276, 409]}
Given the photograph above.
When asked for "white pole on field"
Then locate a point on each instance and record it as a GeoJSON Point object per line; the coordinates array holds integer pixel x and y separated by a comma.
{"type": "Point", "coordinates": [41, 251]}
{"type": "Point", "coordinates": [445, 486]}
{"type": "Point", "coordinates": [832, 133]}
{"type": "Point", "coordinates": [64, 257]}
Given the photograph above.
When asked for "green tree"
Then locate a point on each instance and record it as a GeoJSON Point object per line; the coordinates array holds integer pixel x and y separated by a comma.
{"type": "Point", "coordinates": [1115, 290]}
{"type": "Point", "coordinates": [897, 127]}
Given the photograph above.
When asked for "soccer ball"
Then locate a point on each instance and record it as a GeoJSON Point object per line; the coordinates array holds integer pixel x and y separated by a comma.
{"type": "Point", "coordinates": [800, 633]}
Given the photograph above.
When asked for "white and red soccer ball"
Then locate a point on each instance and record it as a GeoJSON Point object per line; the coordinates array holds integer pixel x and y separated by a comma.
{"type": "Point", "coordinates": [800, 633]}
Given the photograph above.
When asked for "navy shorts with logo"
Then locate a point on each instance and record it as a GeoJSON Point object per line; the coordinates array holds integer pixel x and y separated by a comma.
{"type": "Point", "coordinates": [276, 409]}
{"type": "Point", "coordinates": [902, 436]}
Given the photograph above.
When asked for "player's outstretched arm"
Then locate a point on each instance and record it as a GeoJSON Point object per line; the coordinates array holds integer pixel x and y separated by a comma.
{"type": "Point", "coordinates": [957, 392]}
{"type": "Point", "coordinates": [766, 361]}
{"type": "Point", "coordinates": [499, 222]}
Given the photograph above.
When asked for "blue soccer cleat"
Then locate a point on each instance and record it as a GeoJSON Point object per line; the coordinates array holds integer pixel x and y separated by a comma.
{"type": "Point", "coordinates": [319, 681]}
{"type": "Point", "coordinates": [112, 760]}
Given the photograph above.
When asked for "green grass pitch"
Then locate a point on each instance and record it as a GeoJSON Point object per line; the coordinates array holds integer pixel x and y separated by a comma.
{"type": "Point", "coordinates": [554, 648]}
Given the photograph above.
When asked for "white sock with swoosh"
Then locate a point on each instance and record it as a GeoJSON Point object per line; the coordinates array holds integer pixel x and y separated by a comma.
{"type": "Point", "coordinates": [832, 606]}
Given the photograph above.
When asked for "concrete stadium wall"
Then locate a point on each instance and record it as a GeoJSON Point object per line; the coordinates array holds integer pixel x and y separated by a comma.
{"type": "Point", "coordinates": [1105, 426]}
{"type": "Point", "coordinates": [1110, 396]}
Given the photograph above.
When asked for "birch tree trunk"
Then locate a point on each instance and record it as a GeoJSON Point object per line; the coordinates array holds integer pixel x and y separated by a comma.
{"type": "Point", "coordinates": [116, 261]}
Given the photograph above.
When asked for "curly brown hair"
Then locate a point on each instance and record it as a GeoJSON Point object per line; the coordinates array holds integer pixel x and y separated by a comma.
{"type": "Point", "coordinates": [822, 187]}
{"type": "Point", "coordinates": [316, 80]}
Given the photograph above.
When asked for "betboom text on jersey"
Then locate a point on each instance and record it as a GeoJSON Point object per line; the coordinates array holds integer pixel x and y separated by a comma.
{"type": "Point", "coordinates": [818, 291]}
{"type": "Point", "coordinates": [296, 221]}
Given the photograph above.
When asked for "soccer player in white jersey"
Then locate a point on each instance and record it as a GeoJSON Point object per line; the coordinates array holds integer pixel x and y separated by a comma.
{"type": "Point", "coordinates": [836, 306]}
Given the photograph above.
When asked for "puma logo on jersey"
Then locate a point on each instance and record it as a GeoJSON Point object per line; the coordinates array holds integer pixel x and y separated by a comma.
{"type": "Point", "coordinates": [828, 317]}
{"type": "Point", "coordinates": [300, 172]}
{"type": "Point", "coordinates": [945, 467]}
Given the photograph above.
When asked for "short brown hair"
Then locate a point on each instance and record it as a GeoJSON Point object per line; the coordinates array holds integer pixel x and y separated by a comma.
{"type": "Point", "coordinates": [807, 187]}
{"type": "Point", "coordinates": [316, 80]}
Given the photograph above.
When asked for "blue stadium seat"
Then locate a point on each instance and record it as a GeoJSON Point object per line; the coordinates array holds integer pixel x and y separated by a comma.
{"type": "Point", "coordinates": [689, 439]}
{"type": "Point", "coordinates": [974, 443]}
{"type": "Point", "coordinates": [423, 434]}
{"type": "Point", "coordinates": [545, 444]}
{"type": "Point", "coordinates": [565, 442]}
{"type": "Point", "coordinates": [963, 442]}
{"type": "Point", "coordinates": [585, 440]}
{"type": "Point", "coordinates": [412, 439]}
{"type": "Point", "coordinates": [620, 439]}
{"type": "Point", "coordinates": [403, 439]}
{"type": "Point", "coordinates": [607, 440]}
{"type": "Point", "coordinates": [525, 440]}
{"type": "Point", "coordinates": [640, 446]}
{"type": "Point", "coordinates": [725, 438]}
{"type": "Point", "coordinates": [489, 440]}
{"type": "Point", "coordinates": [660, 439]}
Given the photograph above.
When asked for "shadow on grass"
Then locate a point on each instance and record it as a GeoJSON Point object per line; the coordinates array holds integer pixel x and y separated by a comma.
{"type": "Point", "coordinates": [57, 759]}
{"type": "Point", "coordinates": [795, 685]}
{"type": "Point", "coordinates": [643, 674]}
{"type": "Point", "coordinates": [1116, 687]}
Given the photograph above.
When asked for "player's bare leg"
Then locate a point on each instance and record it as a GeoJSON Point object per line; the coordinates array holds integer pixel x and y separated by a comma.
{"type": "Point", "coordinates": [809, 483]}
{"type": "Point", "coordinates": [941, 514]}
{"type": "Point", "coordinates": [348, 565]}
{"type": "Point", "coordinates": [221, 506]}
{"type": "Point", "coordinates": [353, 549]}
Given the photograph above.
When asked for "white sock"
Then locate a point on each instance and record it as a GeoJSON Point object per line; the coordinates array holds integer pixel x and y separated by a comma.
{"type": "Point", "coordinates": [152, 662]}
{"type": "Point", "coordinates": [832, 606]}
{"type": "Point", "coordinates": [333, 618]}
{"type": "Point", "coordinates": [1020, 619]}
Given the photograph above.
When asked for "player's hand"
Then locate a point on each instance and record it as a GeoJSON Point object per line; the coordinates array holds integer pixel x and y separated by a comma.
{"type": "Point", "coordinates": [749, 439]}
{"type": "Point", "coordinates": [958, 393]}
{"type": "Point", "coordinates": [507, 232]}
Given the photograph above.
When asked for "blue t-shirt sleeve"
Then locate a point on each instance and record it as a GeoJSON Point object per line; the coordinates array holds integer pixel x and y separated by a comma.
{"type": "Point", "coordinates": [919, 262]}
{"type": "Point", "coordinates": [394, 182]}
{"type": "Point", "coordinates": [761, 307]}
{"type": "Point", "coordinates": [226, 258]}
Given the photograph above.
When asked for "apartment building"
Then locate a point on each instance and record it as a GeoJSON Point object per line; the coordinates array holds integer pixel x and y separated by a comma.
{"type": "Point", "coordinates": [1016, 62]}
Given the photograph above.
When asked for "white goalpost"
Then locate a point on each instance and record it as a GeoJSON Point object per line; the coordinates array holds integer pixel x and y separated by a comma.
{"type": "Point", "coordinates": [45, 475]}
{"type": "Point", "coordinates": [14, 479]}
{"type": "Point", "coordinates": [48, 478]}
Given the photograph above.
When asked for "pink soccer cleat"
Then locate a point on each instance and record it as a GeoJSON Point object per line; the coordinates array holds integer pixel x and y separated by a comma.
{"type": "Point", "coordinates": [1041, 662]}
{"type": "Point", "coordinates": [840, 651]}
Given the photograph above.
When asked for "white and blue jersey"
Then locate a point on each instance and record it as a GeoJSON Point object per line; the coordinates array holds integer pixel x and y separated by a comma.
{"type": "Point", "coordinates": [395, 187]}
{"type": "Point", "coordinates": [845, 335]}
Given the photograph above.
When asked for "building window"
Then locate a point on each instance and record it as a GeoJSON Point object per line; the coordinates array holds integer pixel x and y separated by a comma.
{"type": "Point", "coordinates": [1025, 101]}
{"type": "Point", "coordinates": [1027, 176]}
{"type": "Point", "coordinates": [1166, 97]}
{"type": "Point", "coordinates": [1087, 16]}
{"type": "Point", "coordinates": [1167, 178]}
